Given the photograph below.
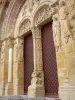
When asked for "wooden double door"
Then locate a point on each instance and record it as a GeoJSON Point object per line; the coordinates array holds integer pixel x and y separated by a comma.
{"type": "Point", "coordinates": [49, 61]}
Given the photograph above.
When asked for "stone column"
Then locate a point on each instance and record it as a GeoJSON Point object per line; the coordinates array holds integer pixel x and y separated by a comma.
{"type": "Point", "coordinates": [3, 67]}
{"type": "Point", "coordinates": [9, 85]}
{"type": "Point", "coordinates": [0, 58]}
{"type": "Point", "coordinates": [18, 67]}
{"type": "Point", "coordinates": [10, 67]}
{"type": "Point", "coordinates": [36, 89]}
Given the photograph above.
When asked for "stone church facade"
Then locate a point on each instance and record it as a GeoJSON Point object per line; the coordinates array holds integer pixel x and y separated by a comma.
{"type": "Point", "coordinates": [37, 48]}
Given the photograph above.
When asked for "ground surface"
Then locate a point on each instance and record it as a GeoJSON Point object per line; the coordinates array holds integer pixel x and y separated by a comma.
{"type": "Point", "coordinates": [23, 97]}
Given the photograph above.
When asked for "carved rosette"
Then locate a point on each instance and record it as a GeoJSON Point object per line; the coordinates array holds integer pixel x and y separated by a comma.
{"type": "Point", "coordinates": [25, 27]}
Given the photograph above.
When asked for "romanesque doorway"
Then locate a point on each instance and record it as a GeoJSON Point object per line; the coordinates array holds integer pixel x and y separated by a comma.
{"type": "Point", "coordinates": [28, 61]}
{"type": "Point", "coordinates": [49, 61]}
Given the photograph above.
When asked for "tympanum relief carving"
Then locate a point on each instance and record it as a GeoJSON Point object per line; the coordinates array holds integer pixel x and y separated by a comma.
{"type": "Point", "coordinates": [25, 27]}
{"type": "Point", "coordinates": [43, 14]}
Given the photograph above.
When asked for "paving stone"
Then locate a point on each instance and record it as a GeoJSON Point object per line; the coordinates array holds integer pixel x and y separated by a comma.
{"type": "Point", "coordinates": [23, 97]}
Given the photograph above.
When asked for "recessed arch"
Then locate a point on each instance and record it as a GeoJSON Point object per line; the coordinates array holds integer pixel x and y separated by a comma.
{"type": "Point", "coordinates": [24, 26]}
{"type": "Point", "coordinates": [42, 13]}
{"type": "Point", "coordinates": [12, 14]}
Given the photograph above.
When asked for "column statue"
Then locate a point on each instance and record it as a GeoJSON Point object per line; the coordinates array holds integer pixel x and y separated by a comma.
{"type": "Point", "coordinates": [56, 32]}
{"type": "Point", "coordinates": [64, 22]}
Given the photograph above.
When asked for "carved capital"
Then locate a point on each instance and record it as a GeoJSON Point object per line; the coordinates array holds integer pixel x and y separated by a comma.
{"type": "Point", "coordinates": [19, 40]}
{"type": "Point", "coordinates": [0, 44]}
{"type": "Point", "coordinates": [36, 31]}
{"type": "Point", "coordinates": [10, 42]}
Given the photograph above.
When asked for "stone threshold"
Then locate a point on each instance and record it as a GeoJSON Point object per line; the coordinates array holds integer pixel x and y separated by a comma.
{"type": "Point", "coordinates": [25, 97]}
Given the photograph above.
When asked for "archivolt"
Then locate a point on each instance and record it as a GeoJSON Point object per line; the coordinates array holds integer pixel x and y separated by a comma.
{"type": "Point", "coordinates": [11, 17]}
{"type": "Point", "coordinates": [42, 12]}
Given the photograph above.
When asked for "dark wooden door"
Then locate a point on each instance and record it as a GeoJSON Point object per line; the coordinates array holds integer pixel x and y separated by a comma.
{"type": "Point", "coordinates": [28, 61]}
{"type": "Point", "coordinates": [49, 61]}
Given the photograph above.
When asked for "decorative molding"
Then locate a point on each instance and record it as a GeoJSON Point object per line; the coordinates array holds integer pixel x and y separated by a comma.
{"type": "Point", "coordinates": [29, 5]}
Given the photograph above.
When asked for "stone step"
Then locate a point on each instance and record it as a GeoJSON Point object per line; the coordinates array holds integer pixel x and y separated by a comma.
{"type": "Point", "coordinates": [24, 97]}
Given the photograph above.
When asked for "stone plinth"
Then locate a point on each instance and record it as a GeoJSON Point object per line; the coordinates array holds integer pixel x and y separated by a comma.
{"type": "Point", "coordinates": [9, 89]}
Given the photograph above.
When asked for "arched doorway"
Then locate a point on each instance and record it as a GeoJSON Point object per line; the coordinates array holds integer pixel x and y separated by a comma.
{"type": "Point", "coordinates": [28, 61]}
{"type": "Point", "coordinates": [49, 61]}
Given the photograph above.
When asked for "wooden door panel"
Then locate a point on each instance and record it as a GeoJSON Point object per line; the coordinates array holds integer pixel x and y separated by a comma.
{"type": "Point", "coordinates": [28, 61]}
{"type": "Point", "coordinates": [49, 61]}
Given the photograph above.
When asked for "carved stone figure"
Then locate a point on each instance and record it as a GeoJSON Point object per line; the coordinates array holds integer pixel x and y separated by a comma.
{"type": "Point", "coordinates": [72, 24]}
{"type": "Point", "coordinates": [36, 78]}
{"type": "Point", "coordinates": [56, 32]}
{"type": "Point", "coordinates": [64, 22]}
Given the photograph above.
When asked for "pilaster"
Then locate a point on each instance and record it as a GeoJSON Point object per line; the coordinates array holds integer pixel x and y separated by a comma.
{"type": "Point", "coordinates": [3, 67]}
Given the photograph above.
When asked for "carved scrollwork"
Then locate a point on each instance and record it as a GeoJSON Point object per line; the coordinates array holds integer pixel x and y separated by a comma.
{"type": "Point", "coordinates": [43, 14]}
{"type": "Point", "coordinates": [25, 27]}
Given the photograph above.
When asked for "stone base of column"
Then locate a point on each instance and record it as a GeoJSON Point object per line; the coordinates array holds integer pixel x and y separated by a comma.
{"type": "Point", "coordinates": [18, 89]}
{"type": "Point", "coordinates": [36, 91]}
{"type": "Point", "coordinates": [9, 89]}
{"type": "Point", "coordinates": [67, 92]}
{"type": "Point", "coordinates": [2, 89]}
